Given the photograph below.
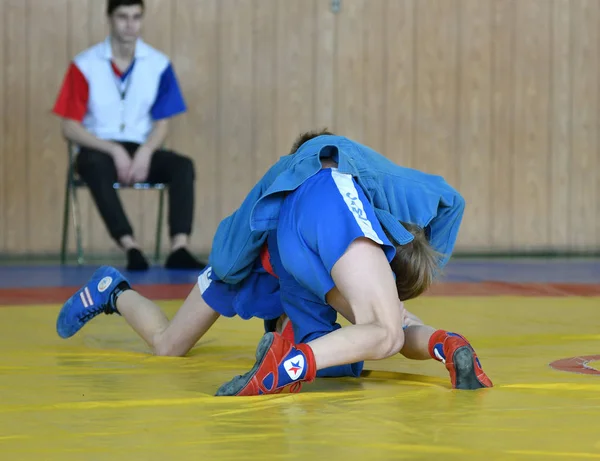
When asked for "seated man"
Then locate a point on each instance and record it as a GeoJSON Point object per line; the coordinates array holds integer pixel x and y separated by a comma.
{"type": "Point", "coordinates": [115, 103]}
{"type": "Point", "coordinates": [328, 254]}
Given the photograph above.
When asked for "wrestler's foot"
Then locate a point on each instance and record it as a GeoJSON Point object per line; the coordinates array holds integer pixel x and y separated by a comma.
{"type": "Point", "coordinates": [460, 359]}
{"type": "Point", "coordinates": [97, 296]}
{"type": "Point", "coordinates": [280, 366]}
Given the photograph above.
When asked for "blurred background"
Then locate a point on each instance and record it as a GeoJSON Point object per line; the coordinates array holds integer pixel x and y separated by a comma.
{"type": "Point", "coordinates": [501, 97]}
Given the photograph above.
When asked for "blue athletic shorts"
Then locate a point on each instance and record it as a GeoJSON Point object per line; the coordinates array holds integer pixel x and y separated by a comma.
{"type": "Point", "coordinates": [259, 296]}
{"type": "Point", "coordinates": [256, 296]}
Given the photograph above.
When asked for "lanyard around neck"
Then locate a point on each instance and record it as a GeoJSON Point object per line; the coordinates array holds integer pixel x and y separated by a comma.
{"type": "Point", "coordinates": [119, 79]}
{"type": "Point", "coordinates": [122, 91]}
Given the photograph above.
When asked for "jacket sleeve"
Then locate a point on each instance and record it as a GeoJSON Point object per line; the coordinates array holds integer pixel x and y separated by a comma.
{"type": "Point", "coordinates": [444, 228]}
{"type": "Point", "coordinates": [236, 245]}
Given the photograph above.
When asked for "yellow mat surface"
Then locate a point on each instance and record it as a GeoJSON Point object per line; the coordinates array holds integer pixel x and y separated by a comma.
{"type": "Point", "coordinates": [101, 396]}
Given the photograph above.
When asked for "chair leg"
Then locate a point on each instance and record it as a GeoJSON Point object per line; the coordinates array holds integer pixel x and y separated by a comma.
{"type": "Point", "coordinates": [65, 229]}
{"type": "Point", "coordinates": [159, 225]}
{"type": "Point", "coordinates": [77, 224]}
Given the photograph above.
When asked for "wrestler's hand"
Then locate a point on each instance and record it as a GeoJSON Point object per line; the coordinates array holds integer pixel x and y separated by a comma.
{"type": "Point", "coordinates": [411, 319]}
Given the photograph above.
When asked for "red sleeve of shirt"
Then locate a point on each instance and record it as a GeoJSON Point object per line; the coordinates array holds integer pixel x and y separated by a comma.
{"type": "Point", "coordinates": [72, 100]}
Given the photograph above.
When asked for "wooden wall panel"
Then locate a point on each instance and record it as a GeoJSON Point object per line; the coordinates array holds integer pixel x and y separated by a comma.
{"type": "Point", "coordinates": [324, 36]}
{"type": "Point", "coordinates": [195, 54]}
{"type": "Point", "coordinates": [350, 71]}
{"type": "Point", "coordinates": [374, 84]}
{"type": "Point", "coordinates": [502, 135]}
{"type": "Point", "coordinates": [499, 96]}
{"type": "Point", "coordinates": [235, 103]}
{"type": "Point", "coordinates": [264, 89]}
{"type": "Point", "coordinates": [45, 164]}
{"type": "Point", "coordinates": [400, 81]}
{"type": "Point", "coordinates": [79, 24]}
{"type": "Point", "coordinates": [474, 153]}
{"type": "Point", "coordinates": [436, 112]}
{"type": "Point", "coordinates": [531, 122]}
{"type": "Point", "coordinates": [294, 70]}
{"type": "Point", "coordinates": [16, 126]}
{"type": "Point", "coordinates": [3, 223]}
{"type": "Point", "coordinates": [561, 97]}
{"type": "Point", "coordinates": [584, 118]}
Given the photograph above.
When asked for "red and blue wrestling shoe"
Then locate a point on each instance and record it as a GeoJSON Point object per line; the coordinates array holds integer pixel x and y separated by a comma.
{"type": "Point", "coordinates": [97, 296]}
{"type": "Point", "coordinates": [281, 367]}
{"type": "Point", "coordinates": [460, 359]}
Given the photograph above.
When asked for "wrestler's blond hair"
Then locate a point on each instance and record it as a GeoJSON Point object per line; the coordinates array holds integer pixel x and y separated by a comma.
{"type": "Point", "coordinates": [415, 265]}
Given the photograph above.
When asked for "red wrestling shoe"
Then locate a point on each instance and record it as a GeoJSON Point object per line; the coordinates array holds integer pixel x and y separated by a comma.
{"type": "Point", "coordinates": [280, 366]}
{"type": "Point", "coordinates": [460, 359]}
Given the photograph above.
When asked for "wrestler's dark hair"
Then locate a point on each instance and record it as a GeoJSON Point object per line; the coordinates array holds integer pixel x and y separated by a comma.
{"type": "Point", "coordinates": [305, 137]}
{"type": "Point", "coordinates": [415, 265]}
{"type": "Point", "coordinates": [112, 5]}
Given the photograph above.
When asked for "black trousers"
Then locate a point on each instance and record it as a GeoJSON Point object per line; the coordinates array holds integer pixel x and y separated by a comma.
{"type": "Point", "coordinates": [98, 171]}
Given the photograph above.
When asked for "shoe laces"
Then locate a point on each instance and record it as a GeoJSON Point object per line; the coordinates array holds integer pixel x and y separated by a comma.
{"type": "Point", "coordinates": [94, 311]}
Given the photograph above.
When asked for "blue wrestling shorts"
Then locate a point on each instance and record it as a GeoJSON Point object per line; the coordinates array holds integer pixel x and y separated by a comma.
{"type": "Point", "coordinates": [256, 296]}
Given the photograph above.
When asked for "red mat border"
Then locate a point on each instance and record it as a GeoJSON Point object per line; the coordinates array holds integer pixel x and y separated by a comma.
{"type": "Point", "coordinates": [161, 292]}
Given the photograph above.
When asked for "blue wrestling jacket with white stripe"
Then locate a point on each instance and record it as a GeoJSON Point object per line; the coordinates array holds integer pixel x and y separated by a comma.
{"type": "Point", "coordinates": [397, 193]}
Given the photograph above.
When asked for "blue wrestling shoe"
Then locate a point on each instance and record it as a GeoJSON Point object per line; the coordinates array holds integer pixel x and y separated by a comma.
{"type": "Point", "coordinates": [97, 296]}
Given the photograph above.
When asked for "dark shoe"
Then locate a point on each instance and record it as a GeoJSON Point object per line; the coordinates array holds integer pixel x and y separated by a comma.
{"type": "Point", "coordinates": [183, 259]}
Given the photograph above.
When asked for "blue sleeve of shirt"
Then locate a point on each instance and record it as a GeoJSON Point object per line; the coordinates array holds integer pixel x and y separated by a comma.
{"type": "Point", "coordinates": [444, 228]}
{"type": "Point", "coordinates": [169, 100]}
